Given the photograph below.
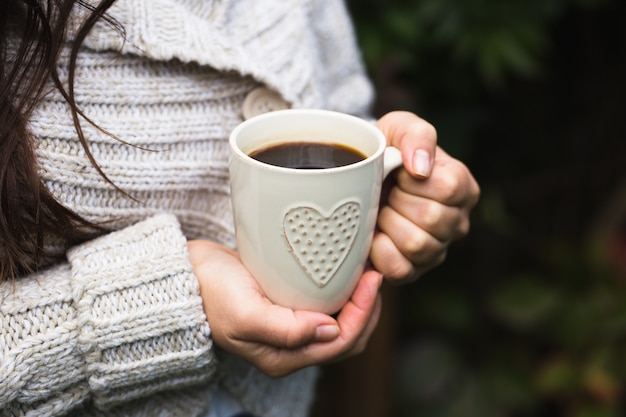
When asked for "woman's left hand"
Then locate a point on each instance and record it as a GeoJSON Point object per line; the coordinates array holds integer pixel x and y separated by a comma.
{"type": "Point", "coordinates": [428, 206]}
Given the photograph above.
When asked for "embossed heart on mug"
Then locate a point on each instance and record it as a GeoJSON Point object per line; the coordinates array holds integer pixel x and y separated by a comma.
{"type": "Point", "coordinates": [321, 243]}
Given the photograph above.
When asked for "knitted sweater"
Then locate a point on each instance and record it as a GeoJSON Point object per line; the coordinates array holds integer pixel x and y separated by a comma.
{"type": "Point", "coordinates": [118, 328]}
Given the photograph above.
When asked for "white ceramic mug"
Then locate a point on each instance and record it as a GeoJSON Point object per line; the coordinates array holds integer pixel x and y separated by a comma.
{"type": "Point", "coordinates": [305, 234]}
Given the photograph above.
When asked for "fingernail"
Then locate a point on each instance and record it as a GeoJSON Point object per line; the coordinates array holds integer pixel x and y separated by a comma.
{"type": "Point", "coordinates": [422, 163]}
{"type": "Point", "coordinates": [326, 332]}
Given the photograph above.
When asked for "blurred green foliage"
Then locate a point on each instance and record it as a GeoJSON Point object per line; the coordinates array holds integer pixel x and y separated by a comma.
{"type": "Point", "coordinates": [527, 317]}
{"type": "Point", "coordinates": [496, 38]}
{"type": "Point", "coordinates": [436, 57]}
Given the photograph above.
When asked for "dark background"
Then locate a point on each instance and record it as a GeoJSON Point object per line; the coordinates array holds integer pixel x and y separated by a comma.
{"type": "Point", "coordinates": [527, 317]}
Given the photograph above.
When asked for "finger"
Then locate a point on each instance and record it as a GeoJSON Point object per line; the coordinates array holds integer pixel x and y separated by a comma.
{"type": "Point", "coordinates": [450, 183]}
{"type": "Point", "coordinates": [304, 326]}
{"type": "Point", "coordinates": [355, 318]}
{"type": "Point", "coordinates": [358, 318]}
{"type": "Point", "coordinates": [415, 137]}
{"type": "Point", "coordinates": [445, 223]}
{"type": "Point", "coordinates": [399, 267]}
{"type": "Point", "coordinates": [361, 343]}
{"type": "Point", "coordinates": [282, 328]}
{"type": "Point", "coordinates": [355, 315]}
{"type": "Point", "coordinates": [417, 245]}
{"type": "Point", "coordinates": [270, 324]}
{"type": "Point", "coordinates": [245, 314]}
{"type": "Point", "coordinates": [386, 258]}
{"type": "Point", "coordinates": [357, 321]}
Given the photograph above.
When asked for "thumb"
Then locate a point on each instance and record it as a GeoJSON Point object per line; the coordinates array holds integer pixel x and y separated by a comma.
{"type": "Point", "coordinates": [282, 327]}
{"type": "Point", "coordinates": [415, 137]}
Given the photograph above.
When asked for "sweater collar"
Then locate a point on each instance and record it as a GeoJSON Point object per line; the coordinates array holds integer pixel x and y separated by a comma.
{"type": "Point", "coordinates": [276, 49]}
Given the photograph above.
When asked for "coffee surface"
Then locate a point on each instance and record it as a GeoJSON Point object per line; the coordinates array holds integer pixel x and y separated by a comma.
{"type": "Point", "coordinates": [308, 155]}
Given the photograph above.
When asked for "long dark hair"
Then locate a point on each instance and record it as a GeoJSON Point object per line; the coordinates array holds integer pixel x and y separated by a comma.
{"type": "Point", "coordinates": [29, 213]}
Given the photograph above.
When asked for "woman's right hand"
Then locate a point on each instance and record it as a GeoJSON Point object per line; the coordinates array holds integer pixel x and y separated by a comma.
{"type": "Point", "coordinates": [275, 339]}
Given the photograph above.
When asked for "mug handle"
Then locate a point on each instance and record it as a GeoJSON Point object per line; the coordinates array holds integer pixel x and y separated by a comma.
{"type": "Point", "coordinates": [392, 160]}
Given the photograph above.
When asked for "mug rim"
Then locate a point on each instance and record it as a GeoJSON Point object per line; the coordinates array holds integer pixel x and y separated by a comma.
{"type": "Point", "coordinates": [236, 150]}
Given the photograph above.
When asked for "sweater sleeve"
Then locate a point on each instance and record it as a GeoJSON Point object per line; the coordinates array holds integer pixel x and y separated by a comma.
{"type": "Point", "coordinates": [121, 320]}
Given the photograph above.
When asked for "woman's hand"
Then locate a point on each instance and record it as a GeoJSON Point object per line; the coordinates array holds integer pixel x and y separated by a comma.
{"type": "Point", "coordinates": [427, 208]}
{"type": "Point", "coordinates": [275, 339]}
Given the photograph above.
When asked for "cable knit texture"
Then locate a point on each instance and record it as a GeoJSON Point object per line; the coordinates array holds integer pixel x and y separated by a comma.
{"type": "Point", "coordinates": [118, 329]}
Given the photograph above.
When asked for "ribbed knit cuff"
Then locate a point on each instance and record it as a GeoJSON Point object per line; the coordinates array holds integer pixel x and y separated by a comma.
{"type": "Point", "coordinates": [142, 328]}
{"type": "Point", "coordinates": [41, 371]}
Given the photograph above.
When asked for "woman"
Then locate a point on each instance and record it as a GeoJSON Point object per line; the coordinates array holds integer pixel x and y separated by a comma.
{"type": "Point", "coordinates": [121, 293]}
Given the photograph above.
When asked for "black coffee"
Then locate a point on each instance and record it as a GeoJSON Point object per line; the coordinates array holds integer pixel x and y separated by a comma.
{"type": "Point", "coordinates": [307, 155]}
